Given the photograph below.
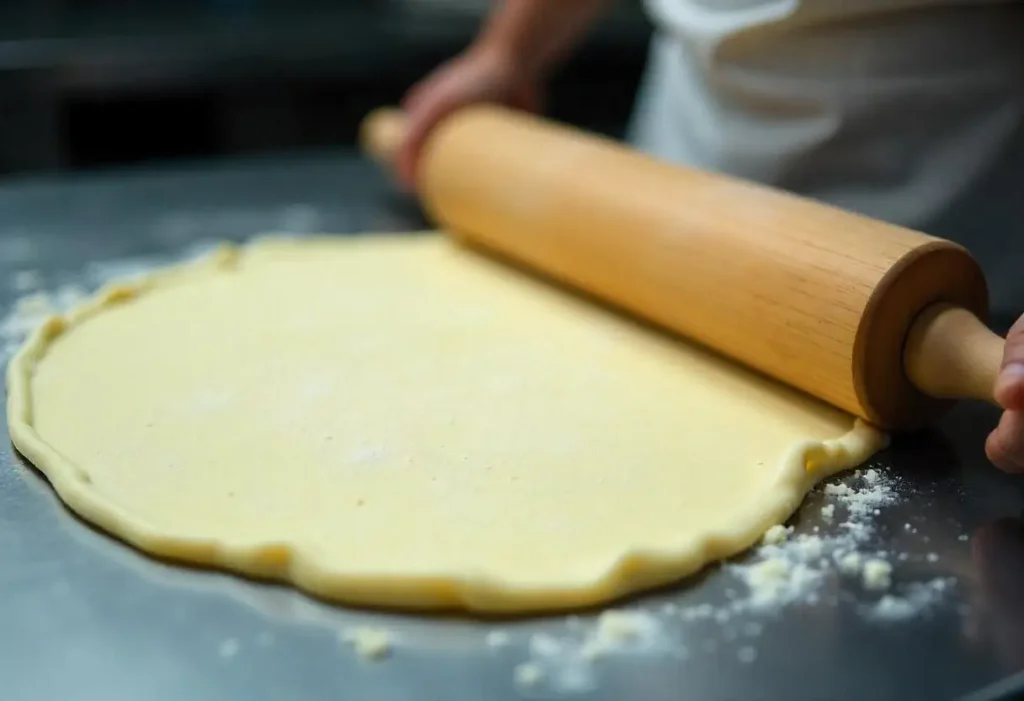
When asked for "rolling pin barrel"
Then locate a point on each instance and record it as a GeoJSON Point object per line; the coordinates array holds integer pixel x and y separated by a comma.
{"type": "Point", "coordinates": [811, 295]}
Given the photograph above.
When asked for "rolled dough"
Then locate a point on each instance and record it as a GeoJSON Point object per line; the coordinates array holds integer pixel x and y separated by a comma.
{"type": "Point", "coordinates": [400, 422]}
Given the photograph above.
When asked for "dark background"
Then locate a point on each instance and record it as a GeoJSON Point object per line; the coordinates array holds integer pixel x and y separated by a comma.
{"type": "Point", "coordinates": [92, 83]}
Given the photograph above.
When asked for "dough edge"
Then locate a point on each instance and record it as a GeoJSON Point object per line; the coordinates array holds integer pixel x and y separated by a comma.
{"type": "Point", "coordinates": [631, 572]}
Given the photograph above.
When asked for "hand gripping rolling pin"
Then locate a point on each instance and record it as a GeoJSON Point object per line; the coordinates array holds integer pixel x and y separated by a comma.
{"type": "Point", "coordinates": [876, 319]}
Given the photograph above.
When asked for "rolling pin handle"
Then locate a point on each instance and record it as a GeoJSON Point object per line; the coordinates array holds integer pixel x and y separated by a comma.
{"type": "Point", "coordinates": [951, 354]}
{"type": "Point", "coordinates": [381, 135]}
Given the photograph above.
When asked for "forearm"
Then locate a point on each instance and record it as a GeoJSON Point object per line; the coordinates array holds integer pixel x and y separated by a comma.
{"type": "Point", "coordinates": [536, 34]}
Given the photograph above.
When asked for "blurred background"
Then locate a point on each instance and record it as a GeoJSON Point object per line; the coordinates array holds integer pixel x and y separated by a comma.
{"type": "Point", "coordinates": [100, 87]}
{"type": "Point", "coordinates": [95, 83]}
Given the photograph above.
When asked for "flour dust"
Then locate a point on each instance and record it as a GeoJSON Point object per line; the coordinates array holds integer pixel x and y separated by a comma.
{"type": "Point", "coordinates": [788, 569]}
{"type": "Point", "coordinates": [39, 296]}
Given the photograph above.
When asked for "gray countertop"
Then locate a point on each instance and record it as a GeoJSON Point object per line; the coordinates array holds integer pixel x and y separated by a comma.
{"type": "Point", "coordinates": [85, 617]}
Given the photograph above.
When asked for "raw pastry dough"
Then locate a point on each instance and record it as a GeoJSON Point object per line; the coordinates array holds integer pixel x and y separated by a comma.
{"type": "Point", "coordinates": [397, 421]}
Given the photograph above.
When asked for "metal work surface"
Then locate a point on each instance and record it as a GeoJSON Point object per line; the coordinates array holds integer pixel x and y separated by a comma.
{"type": "Point", "coordinates": [85, 617]}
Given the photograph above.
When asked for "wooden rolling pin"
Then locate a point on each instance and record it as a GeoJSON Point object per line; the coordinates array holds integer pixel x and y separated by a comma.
{"type": "Point", "coordinates": [879, 320]}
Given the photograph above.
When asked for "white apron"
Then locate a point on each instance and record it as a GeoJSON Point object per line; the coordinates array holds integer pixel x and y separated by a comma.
{"type": "Point", "coordinates": [904, 110]}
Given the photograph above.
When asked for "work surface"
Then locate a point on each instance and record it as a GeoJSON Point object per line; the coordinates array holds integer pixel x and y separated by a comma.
{"type": "Point", "coordinates": [86, 617]}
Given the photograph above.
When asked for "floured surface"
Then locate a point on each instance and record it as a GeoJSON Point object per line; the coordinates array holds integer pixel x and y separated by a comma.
{"type": "Point", "coordinates": [399, 422]}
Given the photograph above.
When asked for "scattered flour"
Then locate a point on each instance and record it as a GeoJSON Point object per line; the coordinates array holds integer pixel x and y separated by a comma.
{"type": "Point", "coordinates": [793, 570]}
{"type": "Point", "coordinates": [783, 571]}
{"type": "Point", "coordinates": [864, 502]}
{"type": "Point", "coordinates": [31, 310]}
{"type": "Point", "coordinates": [838, 490]}
{"type": "Point", "coordinates": [776, 535]}
{"type": "Point", "coordinates": [497, 638]}
{"type": "Point", "coordinates": [528, 675]}
{"type": "Point", "coordinates": [810, 546]}
{"type": "Point", "coordinates": [849, 563]}
{"type": "Point", "coordinates": [877, 574]}
{"type": "Point", "coordinates": [775, 583]}
{"type": "Point", "coordinates": [371, 644]}
{"type": "Point", "coordinates": [565, 663]}
{"type": "Point", "coordinates": [918, 598]}
{"type": "Point", "coordinates": [99, 273]}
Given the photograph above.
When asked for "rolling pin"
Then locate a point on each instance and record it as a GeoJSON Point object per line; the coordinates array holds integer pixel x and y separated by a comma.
{"type": "Point", "coordinates": [879, 320]}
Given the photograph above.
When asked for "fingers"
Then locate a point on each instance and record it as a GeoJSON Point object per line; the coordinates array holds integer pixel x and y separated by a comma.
{"type": "Point", "coordinates": [414, 96]}
{"type": "Point", "coordinates": [427, 105]}
{"type": "Point", "coordinates": [1009, 391]}
{"type": "Point", "coordinates": [527, 98]}
{"type": "Point", "coordinates": [1005, 445]}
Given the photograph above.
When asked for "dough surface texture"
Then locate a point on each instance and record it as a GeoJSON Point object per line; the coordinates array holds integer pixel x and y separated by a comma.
{"type": "Point", "coordinates": [397, 421]}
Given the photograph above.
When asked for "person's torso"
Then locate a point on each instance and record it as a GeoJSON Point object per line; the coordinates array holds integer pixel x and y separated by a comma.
{"type": "Point", "coordinates": [893, 108]}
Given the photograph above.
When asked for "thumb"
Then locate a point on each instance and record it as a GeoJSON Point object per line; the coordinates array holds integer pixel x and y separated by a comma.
{"type": "Point", "coordinates": [1009, 391]}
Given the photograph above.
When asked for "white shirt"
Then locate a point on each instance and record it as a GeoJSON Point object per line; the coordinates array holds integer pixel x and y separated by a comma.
{"type": "Point", "coordinates": [891, 108]}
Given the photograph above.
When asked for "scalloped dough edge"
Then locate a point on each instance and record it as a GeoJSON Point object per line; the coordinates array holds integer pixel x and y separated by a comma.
{"type": "Point", "coordinates": [800, 469]}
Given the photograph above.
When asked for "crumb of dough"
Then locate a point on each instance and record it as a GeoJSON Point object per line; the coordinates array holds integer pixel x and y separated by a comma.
{"type": "Point", "coordinates": [497, 638]}
{"type": "Point", "coordinates": [809, 546]}
{"type": "Point", "coordinates": [767, 579]}
{"type": "Point", "coordinates": [871, 476]}
{"type": "Point", "coordinates": [746, 654]}
{"type": "Point", "coordinates": [828, 511]}
{"type": "Point", "coordinates": [615, 629]}
{"type": "Point", "coordinates": [838, 490]}
{"type": "Point", "coordinates": [228, 648]}
{"type": "Point", "coordinates": [775, 535]}
{"type": "Point", "coordinates": [369, 643]}
{"type": "Point", "coordinates": [850, 563]}
{"type": "Point", "coordinates": [919, 597]}
{"type": "Point", "coordinates": [619, 626]}
{"type": "Point", "coordinates": [545, 646]}
{"type": "Point", "coordinates": [932, 557]}
{"type": "Point", "coordinates": [877, 574]}
{"type": "Point", "coordinates": [769, 571]}
{"type": "Point", "coordinates": [893, 608]}
{"type": "Point", "coordinates": [528, 674]}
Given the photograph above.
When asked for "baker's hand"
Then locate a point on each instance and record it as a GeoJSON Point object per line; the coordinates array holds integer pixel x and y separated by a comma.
{"type": "Point", "coordinates": [481, 74]}
{"type": "Point", "coordinates": [1005, 445]}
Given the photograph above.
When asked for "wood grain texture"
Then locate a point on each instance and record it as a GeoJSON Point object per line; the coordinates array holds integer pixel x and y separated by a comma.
{"type": "Point", "coordinates": [950, 353]}
{"type": "Point", "coordinates": [814, 296]}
